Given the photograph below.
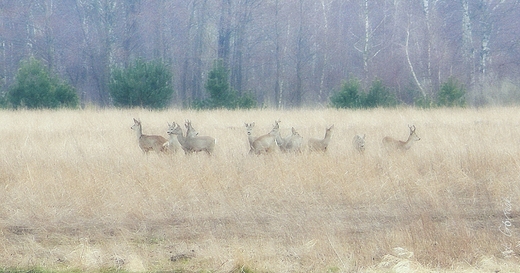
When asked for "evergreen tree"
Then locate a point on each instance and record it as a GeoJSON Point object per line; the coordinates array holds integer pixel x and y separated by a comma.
{"type": "Point", "coordinates": [378, 96]}
{"type": "Point", "coordinates": [35, 88]}
{"type": "Point", "coordinates": [218, 87]}
{"type": "Point", "coordinates": [348, 96]}
{"type": "Point", "coordinates": [221, 95]}
{"type": "Point", "coordinates": [452, 94]}
{"type": "Point", "coordinates": [143, 84]}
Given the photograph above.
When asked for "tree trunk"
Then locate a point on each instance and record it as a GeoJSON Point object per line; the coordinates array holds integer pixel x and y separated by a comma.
{"type": "Point", "coordinates": [468, 50]}
{"type": "Point", "coordinates": [224, 32]}
{"type": "Point", "coordinates": [298, 92]}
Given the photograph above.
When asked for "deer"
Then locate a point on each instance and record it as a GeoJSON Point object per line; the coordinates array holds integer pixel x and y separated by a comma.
{"type": "Point", "coordinates": [267, 143]}
{"type": "Point", "coordinates": [316, 144]}
{"type": "Point", "coordinates": [187, 143]}
{"type": "Point", "coordinates": [293, 143]}
{"type": "Point", "coordinates": [148, 142]}
{"type": "Point", "coordinates": [250, 137]}
{"type": "Point", "coordinates": [195, 143]}
{"type": "Point", "coordinates": [190, 131]}
{"type": "Point", "coordinates": [174, 130]}
{"type": "Point", "coordinates": [359, 142]}
{"type": "Point", "coordinates": [393, 143]}
{"type": "Point", "coordinates": [172, 145]}
{"type": "Point", "coordinates": [280, 141]}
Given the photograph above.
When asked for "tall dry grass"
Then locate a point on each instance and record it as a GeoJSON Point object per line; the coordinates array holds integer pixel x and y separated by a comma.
{"type": "Point", "coordinates": [76, 192]}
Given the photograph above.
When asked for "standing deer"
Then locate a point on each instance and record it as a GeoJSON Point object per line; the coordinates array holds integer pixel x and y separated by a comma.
{"type": "Point", "coordinates": [175, 130]}
{"type": "Point", "coordinates": [293, 143]}
{"type": "Point", "coordinates": [250, 137]}
{"type": "Point", "coordinates": [148, 142]}
{"type": "Point", "coordinates": [321, 144]}
{"type": "Point", "coordinates": [392, 143]}
{"type": "Point", "coordinates": [267, 143]}
{"type": "Point", "coordinates": [280, 141]}
{"type": "Point", "coordinates": [195, 143]}
{"type": "Point", "coordinates": [359, 142]}
{"type": "Point", "coordinates": [190, 131]}
{"type": "Point", "coordinates": [172, 145]}
{"type": "Point", "coordinates": [187, 145]}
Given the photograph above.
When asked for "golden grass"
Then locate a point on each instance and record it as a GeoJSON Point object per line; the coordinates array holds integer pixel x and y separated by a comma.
{"type": "Point", "coordinates": [76, 192]}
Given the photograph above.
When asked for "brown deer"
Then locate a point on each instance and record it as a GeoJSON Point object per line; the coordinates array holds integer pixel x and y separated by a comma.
{"type": "Point", "coordinates": [148, 142]}
{"type": "Point", "coordinates": [191, 143]}
{"type": "Point", "coordinates": [321, 144]}
{"type": "Point", "coordinates": [175, 130]}
{"type": "Point", "coordinates": [392, 143]}
{"type": "Point", "coordinates": [172, 145]}
{"type": "Point", "coordinates": [267, 143]}
{"type": "Point", "coordinates": [293, 143]}
{"type": "Point", "coordinates": [195, 143]}
{"type": "Point", "coordinates": [250, 137]}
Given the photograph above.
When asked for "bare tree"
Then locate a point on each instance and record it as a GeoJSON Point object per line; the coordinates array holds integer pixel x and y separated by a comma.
{"type": "Point", "coordinates": [287, 53]}
{"type": "Point", "coordinates": [97, 25]}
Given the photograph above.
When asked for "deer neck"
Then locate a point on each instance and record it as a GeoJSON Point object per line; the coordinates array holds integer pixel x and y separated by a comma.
{"type": "Point", "coordinates": [250, 138]}
{"type": "Point", "coordinates": [279, 139]}
{"type": "Point", "coordinates": [326, 139]}
{"type": "Point", "coordinates": [408, 143]}
{"type": "Point", "coordinates": [139, 131]}
{"type": "Point", "coordinates": [181, 138]}
{"type": "Point", "coordinates": [172, 138]}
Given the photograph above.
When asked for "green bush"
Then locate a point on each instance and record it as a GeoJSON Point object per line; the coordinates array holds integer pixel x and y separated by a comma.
{"type": "Point", "coordinates": [221, 95]}
{"type": "Point", "coordinates": [35, 88]}
{"type": "Point", "coordinates": [451, 94]}
{"type": "Point", "coordinates": [352, 95]}
{"type": "Point", "coordinates": [246, 101]}
{"type": "Point", "coordinates": [379, 96]}
{"type": "Point", "coordinates": [424, 102]}
{"type": "Point", "coordinates": [217, 85]}
{"type": "Point", "coordinates": [348, 96]}
{"type": "Point", "coordinates": [143, 84]}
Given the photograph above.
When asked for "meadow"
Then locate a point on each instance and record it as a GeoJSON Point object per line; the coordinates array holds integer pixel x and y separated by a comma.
{"type": "Point", "coordinates": [77, 193]}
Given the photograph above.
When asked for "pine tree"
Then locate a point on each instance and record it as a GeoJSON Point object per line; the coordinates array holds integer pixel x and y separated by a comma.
{"type": "Point", "coordinates": [143, 84]}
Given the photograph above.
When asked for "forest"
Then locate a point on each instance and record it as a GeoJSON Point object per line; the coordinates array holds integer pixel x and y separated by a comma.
{"type": "Point", "coordinates": [287, 54]}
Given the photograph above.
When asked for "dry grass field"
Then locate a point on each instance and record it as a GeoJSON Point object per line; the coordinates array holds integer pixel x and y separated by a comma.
{"type": "Point", "coordinates": [77, 193]}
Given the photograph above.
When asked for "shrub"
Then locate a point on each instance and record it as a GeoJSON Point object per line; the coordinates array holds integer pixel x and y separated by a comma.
{"type": "Point", "coordinates": [35, 88]}
{"type": "Point", "coordinates": [221, 95]}
{"type": "Point", "coordinates": [348, 96]}
{"type": "Point", "coordinates": [424, 102]}
{"type": "Point", "coordinates": [379, 96]}
{"type": "Point", "coordinates": [217, 85]}
{"type": "Point", "coordinates": [351, 95]}
{"type": "Point", "coordinates": [143, 84]}
{"type": "Point", "coordinates": [451, 94]}
{"type": "Point", "coordinates": [246, 101]}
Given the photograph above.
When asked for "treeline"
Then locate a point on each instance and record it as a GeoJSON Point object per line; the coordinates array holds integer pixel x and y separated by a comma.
{"type": "Point", "coordinates": [148, 85]}
{"type": "Point", "coordinates": [142, 84]}
{"type": "Point", "coordinates": [276, 53]}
